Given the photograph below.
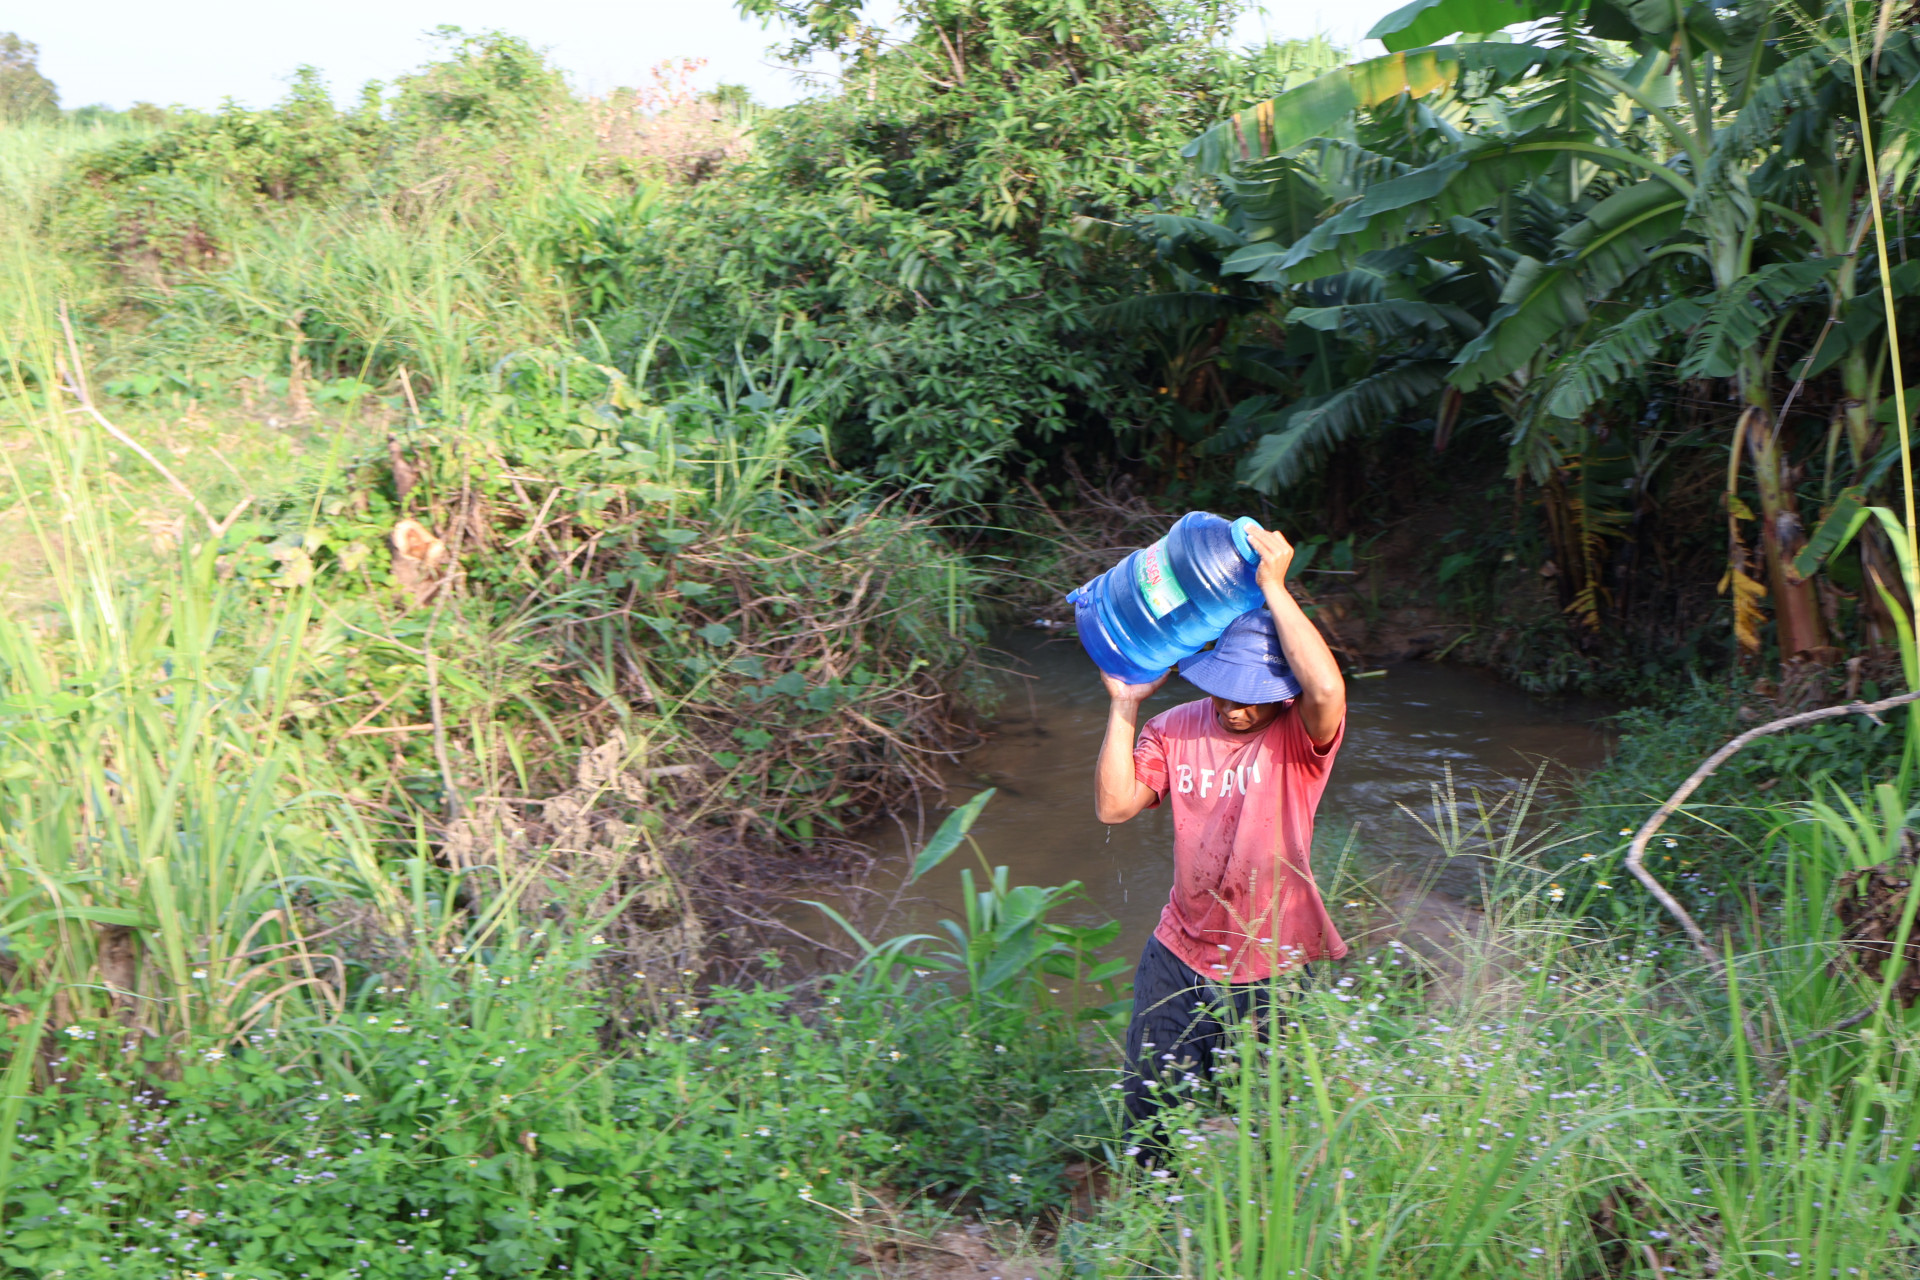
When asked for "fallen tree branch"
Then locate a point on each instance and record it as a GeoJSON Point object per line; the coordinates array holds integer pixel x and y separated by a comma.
{"type": "Point", "coordinates": [1637, 853]}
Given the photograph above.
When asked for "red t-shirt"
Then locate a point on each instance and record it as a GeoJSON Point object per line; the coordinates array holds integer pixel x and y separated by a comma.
{"type": "Point", "coordinates": [1244, 904]}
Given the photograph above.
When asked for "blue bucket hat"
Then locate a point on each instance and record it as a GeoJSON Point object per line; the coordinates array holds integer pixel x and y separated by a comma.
{"type": "Point", "coordinates": [1246, 664]}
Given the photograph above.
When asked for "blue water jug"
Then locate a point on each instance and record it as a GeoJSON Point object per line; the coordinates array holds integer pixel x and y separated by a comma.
{"type": "Point", "coordinates": [1169, 600]}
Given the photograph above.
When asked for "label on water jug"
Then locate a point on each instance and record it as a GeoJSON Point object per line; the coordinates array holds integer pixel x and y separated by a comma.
{"type": "Point", "coordinates": [1158, 587]}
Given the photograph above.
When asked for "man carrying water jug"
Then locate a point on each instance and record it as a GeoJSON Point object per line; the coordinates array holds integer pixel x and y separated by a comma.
{"type": "Point", "coordinates": [1242, 771]}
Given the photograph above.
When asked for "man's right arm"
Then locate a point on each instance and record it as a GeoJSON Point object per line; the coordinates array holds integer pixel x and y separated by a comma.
{"type": "Point", "coordinates": [1118, 795]}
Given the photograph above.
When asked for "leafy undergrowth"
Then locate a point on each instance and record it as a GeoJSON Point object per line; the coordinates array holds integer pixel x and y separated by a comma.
{"type": "Point", "coordinates": [1599, 1108]}
{"type": "Point", "coordinates": [1720, 855]}
{"type": "Point", "coordinates": [474, 1124]}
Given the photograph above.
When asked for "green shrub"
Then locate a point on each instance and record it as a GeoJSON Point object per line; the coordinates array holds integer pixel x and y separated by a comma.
{"type": "Point", "coordinates": [473, 1123]}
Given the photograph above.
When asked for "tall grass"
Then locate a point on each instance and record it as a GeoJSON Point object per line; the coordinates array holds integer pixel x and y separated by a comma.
{"type": "Point", "coordinates": [162, 831]}
{"type": "Point", "coordinates": [1595, 1106]}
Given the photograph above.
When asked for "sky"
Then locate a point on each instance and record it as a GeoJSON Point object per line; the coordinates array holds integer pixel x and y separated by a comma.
{"type": "Point", "coordinates": [198, 53]}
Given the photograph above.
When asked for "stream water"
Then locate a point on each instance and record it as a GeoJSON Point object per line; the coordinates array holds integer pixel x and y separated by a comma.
{"type": "Point", "coordinates": [1406, 729]}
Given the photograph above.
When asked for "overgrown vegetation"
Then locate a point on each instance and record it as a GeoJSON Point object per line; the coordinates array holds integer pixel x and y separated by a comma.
{"type": "Point", "coordinates": [479, 553]}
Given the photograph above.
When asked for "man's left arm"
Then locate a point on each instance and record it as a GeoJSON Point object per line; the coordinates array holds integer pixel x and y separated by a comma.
{"type": "Point", "coordinates": [1323, 691]}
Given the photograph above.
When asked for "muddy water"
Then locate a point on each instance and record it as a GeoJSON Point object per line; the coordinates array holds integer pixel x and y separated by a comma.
{"type": "Point", "coordinates": [1406, 730]}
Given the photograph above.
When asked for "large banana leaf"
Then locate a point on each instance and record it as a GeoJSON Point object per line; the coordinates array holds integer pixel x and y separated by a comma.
{"type": "Point", "coordinates": [1318, 107]}
{"type": "Point", "coordinates": [1733, 323]}
{"type": "Point", "coordinates": [1311, 429]}
{"type": "Point", "coordinates": [1458, 185]}
{"type": "Point", "coordinates": [1391, 319]}
{"type": "Point", "coordinates": [1591, 369]}
{"type": "Point", "coordinates": [1543, 300]}
{"type": "Point", "coordinates": [1431, 21]}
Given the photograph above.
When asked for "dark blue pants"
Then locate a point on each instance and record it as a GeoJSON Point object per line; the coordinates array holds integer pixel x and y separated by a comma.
{"type": "Point", "coordinates": [1181, 1023]}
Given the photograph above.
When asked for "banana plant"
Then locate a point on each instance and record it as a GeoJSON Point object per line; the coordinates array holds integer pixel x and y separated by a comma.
{"type": "Point", "coordinates": [1663, 181]}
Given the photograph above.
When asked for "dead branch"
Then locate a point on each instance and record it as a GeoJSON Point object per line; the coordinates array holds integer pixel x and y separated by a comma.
{"type": "Point", "coordinates": [1636, 854]}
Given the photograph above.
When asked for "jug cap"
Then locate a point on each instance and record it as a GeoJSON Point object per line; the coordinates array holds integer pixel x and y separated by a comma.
{"type": "Point", "coordinates": [1246, 664]}
{"type": "Point", "coordinates": [1241, 543]}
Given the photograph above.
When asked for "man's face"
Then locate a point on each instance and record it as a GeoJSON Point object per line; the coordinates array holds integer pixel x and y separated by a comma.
{"type": "Point", "coordinates": [1244, 717]}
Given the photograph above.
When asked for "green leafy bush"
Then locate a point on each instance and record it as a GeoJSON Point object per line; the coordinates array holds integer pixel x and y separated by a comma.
{"type": "Point", "coordinates": [472, 1123]}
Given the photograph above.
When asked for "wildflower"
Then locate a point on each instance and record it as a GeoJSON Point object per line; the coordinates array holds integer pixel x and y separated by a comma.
{"type": "Point", "coordinates": [1670, 842]}
{"type": "Point", "coordinates": [1601, 884]}
{"type": "Point", "coordinates": [1014, 1177]}
{"type": "Point", "coordinates": [1556, 893]}
{"type": "Point", "coordinates": [213, 1055]}
{"type": "Point", "coordinates": [199, 975]}
{"type": "Point", "coordinates": [350, 1097]}
{"type": "Point", "coordinates": [599, 941]}
{"type": "Point", "coordinates": [764, 1131]}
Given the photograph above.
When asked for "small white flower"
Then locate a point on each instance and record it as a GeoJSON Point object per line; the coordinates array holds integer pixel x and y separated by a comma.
{"type": "Point", "coordinates": [213, 1055]}
{"type": "Point", "coordinates": [200, 975]}
{"type": "Point", "coordinates": [599, 941]}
